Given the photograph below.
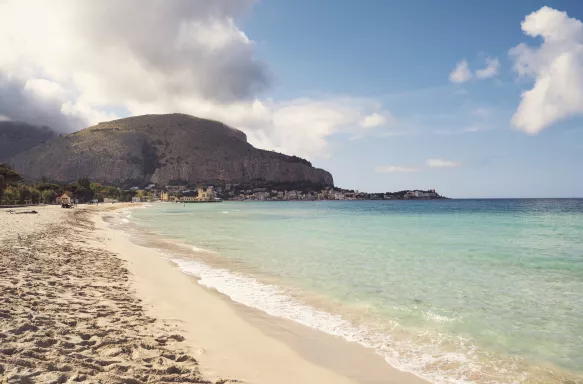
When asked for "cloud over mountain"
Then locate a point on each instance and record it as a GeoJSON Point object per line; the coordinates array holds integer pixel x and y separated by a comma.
{"type": "Point", "coordinates": [92, 61]}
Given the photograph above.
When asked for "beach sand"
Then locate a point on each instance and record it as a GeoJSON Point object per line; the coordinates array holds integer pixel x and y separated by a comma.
{"type": "Point", "coordinates": [67, 312]}
{"type": "Point", "coordinates": [80, 302]}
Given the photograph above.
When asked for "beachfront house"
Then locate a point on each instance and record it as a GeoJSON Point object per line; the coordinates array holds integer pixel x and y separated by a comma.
{"type": "Point", "coordinates": [63, 199]}
{"type": "Point", "coordinates": [205, 194]}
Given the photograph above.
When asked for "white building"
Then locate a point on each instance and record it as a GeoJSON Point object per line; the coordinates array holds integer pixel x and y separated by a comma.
{"type": "Point", "coordinates": [291, 195]}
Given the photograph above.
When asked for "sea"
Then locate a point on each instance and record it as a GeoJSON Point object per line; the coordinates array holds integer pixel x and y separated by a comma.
{"type": "Point", "coordinates": [454, 291]}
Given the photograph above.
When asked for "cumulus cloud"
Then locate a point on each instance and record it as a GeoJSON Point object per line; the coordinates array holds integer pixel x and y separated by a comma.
{"type": "Point", "coordinates": [375, 120]}
{"type": "Point", "coordinates": [491, 69]}
{"type": "Point", "coordinates": [29, 104]}
{"type": "Point", "coordinates": [440, 163]}
{"type": "Point", "coordinates": [556, 67]}
{"type": "Point", "coordinates": [395, 169]}
{"type": "Point", "coordinates": [461, 73]}
{"type": "Point", "coordinates": [92, 61]}
{"type": "Point", "coordinates": [89, 56]}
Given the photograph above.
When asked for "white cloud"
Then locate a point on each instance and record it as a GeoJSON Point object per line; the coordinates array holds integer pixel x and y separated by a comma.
{"type": "Point", "coordinates": [440, 163]}
{"type": "Point", "coordinates": [375, 120]}
{"type": "Point", "coordinates": [395, 169]}
{"type": "Point", "coordinates": [461, 73]}
{"type": "Point", "coordinates": [491, 70]}
{"type": "Point", "coordinates": [71, 70]}
{"type": "Point", "coordinates": [430, 163]}
{"type": "Point", "coordinates": [5, 118]}
{"type": "Point", "coordinates": [556, 67]}
{"type": "Point", "coordinates": [44, 88]}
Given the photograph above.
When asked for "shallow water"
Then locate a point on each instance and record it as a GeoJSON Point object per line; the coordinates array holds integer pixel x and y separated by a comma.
{"type": "Point", "coordinates": [454, 290]}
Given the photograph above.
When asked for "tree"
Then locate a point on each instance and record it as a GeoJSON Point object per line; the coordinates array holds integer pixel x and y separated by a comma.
{"type": "Point", "coordinates": [34, 195]}
{"type": "Point", "coordinates": [49, 186]}
{"type": "Point", "coordinates": [24, 194]}
{"type": "Point", "coordinates": [10, 196]}
{"type": "Point", "coordinates": [83, 189]}
{"type": "Point", "coordinates": [7, 177]}
{"type": "Point", "coordinates": [96, 187]}
{"type": "Point", "coordinates": [49, 196]}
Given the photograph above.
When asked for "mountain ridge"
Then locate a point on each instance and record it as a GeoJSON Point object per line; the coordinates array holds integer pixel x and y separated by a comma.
{"type": "Point", "coordinates": [160, 148]}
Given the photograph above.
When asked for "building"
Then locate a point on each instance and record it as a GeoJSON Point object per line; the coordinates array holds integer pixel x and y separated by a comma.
{"type": "Point", "coordinates": [136, 199]}
{"type": "Point", "coordinates": [188, 199]}
{"type": "Point", "coordinates": [164, 196]}
{"type": "Point", "coordinates": [63, 199]}
{"type": "Point", "coordinates": [291, 195]}
{"type": "Point", "coordinates": [175, 188]}
{"type": "Point", "coordinates": [108, 200]}
{"type": "Point", "coordinates": [206, 194]}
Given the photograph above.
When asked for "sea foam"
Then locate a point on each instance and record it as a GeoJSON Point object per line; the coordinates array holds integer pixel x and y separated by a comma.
{"type": "Point", "coordinates": [406, 355]}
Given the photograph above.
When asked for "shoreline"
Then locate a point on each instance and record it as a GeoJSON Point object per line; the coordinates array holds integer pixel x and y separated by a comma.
{"type": "Point", "coordinates": [239, 341]}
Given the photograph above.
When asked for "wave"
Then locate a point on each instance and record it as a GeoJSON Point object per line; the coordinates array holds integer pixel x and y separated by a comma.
{"type": "Point", "coordinates": [438, 318]}
{"type": "Point", "coordinates": [421, 353]}
{"type": "Point", "coordinates": [199, 250]}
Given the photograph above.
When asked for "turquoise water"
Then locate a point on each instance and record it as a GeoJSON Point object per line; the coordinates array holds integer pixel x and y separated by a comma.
{"type": "Point", "coordinates": [454, 290]}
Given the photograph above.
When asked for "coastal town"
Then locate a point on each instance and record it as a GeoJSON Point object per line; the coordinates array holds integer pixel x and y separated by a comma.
{"type": "Point", "coordinates": [15, 191]}
{"type": "Point", "coordinates": [235, 192]}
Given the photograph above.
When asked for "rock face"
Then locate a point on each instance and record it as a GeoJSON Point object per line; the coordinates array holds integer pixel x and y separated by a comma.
{"type": "Point", "coordinates": [162, 149]}
{"type": "Point", "coordinates": [19, 137]}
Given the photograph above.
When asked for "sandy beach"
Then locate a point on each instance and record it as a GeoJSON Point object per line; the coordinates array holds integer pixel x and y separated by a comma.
{"type": "Point", "coordinates": [81, 303]}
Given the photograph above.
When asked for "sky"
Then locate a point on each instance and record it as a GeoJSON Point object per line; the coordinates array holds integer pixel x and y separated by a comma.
{"type": "Point", "coordinates": [471, 98]}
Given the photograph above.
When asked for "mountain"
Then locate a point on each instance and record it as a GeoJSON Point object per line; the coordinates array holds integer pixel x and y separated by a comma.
{"type": "Point", "coordinates": [162, 149]}
{"type": "Point", "coordinates": [18, 137]}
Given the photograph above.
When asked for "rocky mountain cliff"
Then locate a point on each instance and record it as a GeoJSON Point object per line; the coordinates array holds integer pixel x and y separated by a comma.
{"type": "Point", "coordinates": [19, 137]}
{"type": "Point", "coordinates": [160, 149]}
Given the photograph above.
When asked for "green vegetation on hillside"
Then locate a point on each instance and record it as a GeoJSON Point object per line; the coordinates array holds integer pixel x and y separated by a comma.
{"type": "Point", "coordinates": [14, 191]}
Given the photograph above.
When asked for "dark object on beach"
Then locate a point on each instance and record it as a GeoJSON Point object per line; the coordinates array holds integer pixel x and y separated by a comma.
{"type": "Point", "coordinates": [66, 206]}
{"type": "Point", "coordinates": [26, 212]}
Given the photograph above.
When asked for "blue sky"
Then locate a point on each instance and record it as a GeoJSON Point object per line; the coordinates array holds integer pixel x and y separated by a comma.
{"type": "Point", "coordinates": [401, 54]}
{"type": "Point", "coordinates": [472, 98]}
